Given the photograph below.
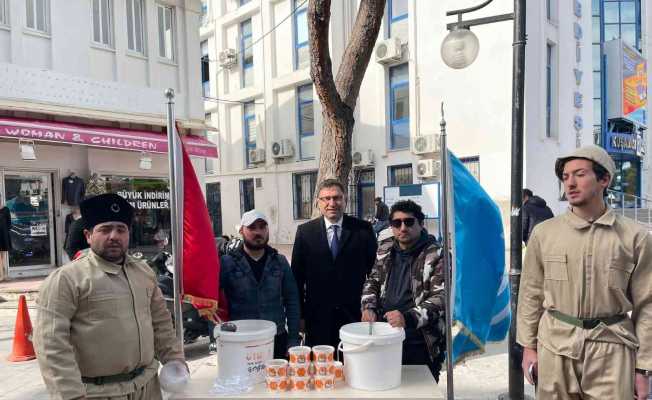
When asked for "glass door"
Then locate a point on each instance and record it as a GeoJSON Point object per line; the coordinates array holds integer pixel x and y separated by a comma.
{"type": "Point", "coordinates": [28, 196]}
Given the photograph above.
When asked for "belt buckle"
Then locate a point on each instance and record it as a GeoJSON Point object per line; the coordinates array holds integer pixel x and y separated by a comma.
{"type": "Point", "coordinates": [590, 323]}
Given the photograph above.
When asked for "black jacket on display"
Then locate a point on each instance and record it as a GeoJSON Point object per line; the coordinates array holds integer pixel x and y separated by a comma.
{"type": "Point", "coordinates": [72, 190]}
{"type": "Point", "coordinates": [5, 227]}
{"type": "Point", "coordinates": [330, 289]}
{"type": "Point", "coordinates": [534, 211]}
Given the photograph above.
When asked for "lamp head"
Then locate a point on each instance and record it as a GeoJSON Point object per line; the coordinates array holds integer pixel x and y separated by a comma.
{"type": "Point", "coordinates": [460, 48]}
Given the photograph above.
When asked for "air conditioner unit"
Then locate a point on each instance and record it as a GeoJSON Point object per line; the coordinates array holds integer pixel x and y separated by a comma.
{"type": "Point", "coordinates": [425, 144]}
{"type": "Point", "coordinates": [363, 158]}
{"type": "Point", "coordinates": [282, 149]}
{"type": "Point", "coordinates": [228, 58]}
{"type": "Point", "coordinates": [388, 51]}
{"type": "Point", "coordinates": [429, 169]}
{"type": "Point", "coordinates": [257, 156]}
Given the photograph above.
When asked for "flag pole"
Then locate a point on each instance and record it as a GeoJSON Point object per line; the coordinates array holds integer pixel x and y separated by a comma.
{"type": "Point", "coordinates": [176, 212]}
{"type": "Point", "coordinates": [450, 391]}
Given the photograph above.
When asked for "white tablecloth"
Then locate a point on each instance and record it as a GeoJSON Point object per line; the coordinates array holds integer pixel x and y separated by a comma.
{"type": "Point", "coordinates": [416, 383]}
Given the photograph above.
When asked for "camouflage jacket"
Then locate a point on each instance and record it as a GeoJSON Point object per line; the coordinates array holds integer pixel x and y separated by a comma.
{"type": "Point", "coordinates": [427, 291]}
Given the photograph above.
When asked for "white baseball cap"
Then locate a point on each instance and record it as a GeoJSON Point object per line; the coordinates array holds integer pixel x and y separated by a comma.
{"type": "Point", "coordinates": [252, 216]}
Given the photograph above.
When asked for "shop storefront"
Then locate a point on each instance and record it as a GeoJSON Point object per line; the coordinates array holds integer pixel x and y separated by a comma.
{"type": "Point", "coordinates": [69, 163]}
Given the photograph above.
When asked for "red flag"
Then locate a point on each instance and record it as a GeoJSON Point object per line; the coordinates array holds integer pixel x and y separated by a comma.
{"type": "Point", "coordinates": [201, 264]}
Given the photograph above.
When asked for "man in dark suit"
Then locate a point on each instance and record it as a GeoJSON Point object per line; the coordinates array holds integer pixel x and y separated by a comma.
{"type": "Point", "coordinates": [331, 258]}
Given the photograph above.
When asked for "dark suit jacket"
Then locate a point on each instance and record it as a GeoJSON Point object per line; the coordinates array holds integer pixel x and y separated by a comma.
{"type": "Point", "coordinates": [330, 290]}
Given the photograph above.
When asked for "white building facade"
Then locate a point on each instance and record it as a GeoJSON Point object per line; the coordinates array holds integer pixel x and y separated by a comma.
{"type": "Point", "coordinates": [260, 98]}
{"type": "Point", "coordinates": [82, 111]}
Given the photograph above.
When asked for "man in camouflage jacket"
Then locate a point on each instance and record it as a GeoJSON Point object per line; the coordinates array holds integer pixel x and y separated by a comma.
{"type": "Point", "coordinates": [406, 287]}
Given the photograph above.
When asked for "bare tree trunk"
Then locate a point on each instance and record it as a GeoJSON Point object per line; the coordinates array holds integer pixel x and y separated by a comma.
{"type": "Point", "coordinates": [338, 96]}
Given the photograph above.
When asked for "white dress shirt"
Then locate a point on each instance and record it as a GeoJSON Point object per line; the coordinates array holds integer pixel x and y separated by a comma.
{"type": "Point", "coordinates": [329, 231]}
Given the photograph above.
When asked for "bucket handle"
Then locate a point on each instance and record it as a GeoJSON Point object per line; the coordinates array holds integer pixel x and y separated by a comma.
{"type": "Point", "coordinates": [359, 349]}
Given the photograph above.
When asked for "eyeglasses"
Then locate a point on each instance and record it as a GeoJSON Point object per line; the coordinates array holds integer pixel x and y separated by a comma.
{"type": "Point", "coordinates": [327, 199]}
{"type": "Point", "coordinates": [397, 222]}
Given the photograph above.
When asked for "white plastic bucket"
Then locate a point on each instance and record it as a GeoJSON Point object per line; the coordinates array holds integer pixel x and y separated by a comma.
{"type": "Point", "coordinates": [243, 353]}
{"type": "Point", "coordinates": [372, 362]}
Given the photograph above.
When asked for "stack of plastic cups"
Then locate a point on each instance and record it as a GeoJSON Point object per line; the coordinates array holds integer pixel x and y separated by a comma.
{"type": "Point", "coordinates": [276, 375]}
{"type": "Point", "coordinates": [324, 367]}
{"type": "Point", "coordinates": [299, 368]}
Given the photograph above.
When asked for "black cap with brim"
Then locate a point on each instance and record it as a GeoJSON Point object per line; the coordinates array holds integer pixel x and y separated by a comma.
{"type": "Point", "coordinates": [107, 207]}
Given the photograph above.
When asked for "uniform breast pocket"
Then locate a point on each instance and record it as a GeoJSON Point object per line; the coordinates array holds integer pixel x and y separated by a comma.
{"type": "Point", "coordinates": [555, 267]}
{"type": "Point", "coordinates": [619, 274]}
{"type": "Point", "coordinates": [104, 307]}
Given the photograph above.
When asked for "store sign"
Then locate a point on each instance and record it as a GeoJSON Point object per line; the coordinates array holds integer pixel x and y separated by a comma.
{"type": "Point", "coordinates": [627, 83]}
{"type": "Point", "coordinates": [625, 143]}
{"type": "Point", "coordinates": [578, 98]}
{"type": "Point", "coordinates": [113, 138]}
{"type": "Point", "coordinates": [38, 230]}
{"type": "Point", "coordinates": [141, 200]}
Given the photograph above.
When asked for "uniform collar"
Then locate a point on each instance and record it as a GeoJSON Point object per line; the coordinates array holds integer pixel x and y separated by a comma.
{"type": "Point", "coordinates": [607, 219]}
{"type": "Point", "coordinates": [106, 266]}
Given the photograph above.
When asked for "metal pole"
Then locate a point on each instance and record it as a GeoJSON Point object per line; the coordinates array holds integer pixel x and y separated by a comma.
{"type": "Point", "coordinates": [516, 391]}
{"type": "Point", "coordinates": [176, 218]}
{"type": "Point", "coordinates": [450, 391]}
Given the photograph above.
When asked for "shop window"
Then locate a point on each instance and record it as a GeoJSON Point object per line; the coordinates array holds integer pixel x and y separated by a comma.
{"type": "Point", "coordinates": [205, 70]}
{"type": "Point", "coordinates": [150, 197]}
{"type": "Point", "coordinates": [473, 165]}
{"type": "Point", "coordinates": [103, 22]}
{"type": "Point", "coordinates": [246, 53]}
{"type": "Point", "coordinates": [135, 26]}
{"type": "Point", "coordinates": [214, 205]}
{"type": "Point", "coordinates": [399, 98]}
{"type": "Point", "coordinates": [399, 175]}
{"type": "Point", "coordinates": [4, 12]}
{"type": "Point", "coordinates": [306, 122]}
{"type": "Point", "coordinates": [246, 195]}
{"type": "Point", "coordinates": [249, 124]}
{"type": "Point", "coordinates": [301, 51]}
{"type": "Point", "coordinates": [38, 15]}
{"type": "Point", "coordinates": [304, 189]}
{"type": "Point", "coordinates": [166, 40]}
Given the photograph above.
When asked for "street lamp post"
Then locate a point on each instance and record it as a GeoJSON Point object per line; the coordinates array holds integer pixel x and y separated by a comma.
{"type": "Point", "coordinates": [459, 49]}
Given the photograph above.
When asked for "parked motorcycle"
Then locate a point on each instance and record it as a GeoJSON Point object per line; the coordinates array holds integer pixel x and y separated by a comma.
{"type": "Point", "coordinates": [194, 325]}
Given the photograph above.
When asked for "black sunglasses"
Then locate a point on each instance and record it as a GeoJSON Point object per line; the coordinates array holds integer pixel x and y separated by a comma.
{"type": "Point", "coordinates": [396, 223]}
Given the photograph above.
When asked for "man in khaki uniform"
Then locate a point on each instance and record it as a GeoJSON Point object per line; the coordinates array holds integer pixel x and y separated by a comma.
{"type": "Point", "coordinates": [102, 324]}
{"type": "Point", "coordinates": [584, 272]}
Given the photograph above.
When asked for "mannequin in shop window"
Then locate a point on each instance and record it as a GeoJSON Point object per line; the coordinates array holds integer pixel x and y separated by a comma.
{"type": "Point", "coordinates": [73, 189]}
{"type": "Point", "coordinates": [74, 215]}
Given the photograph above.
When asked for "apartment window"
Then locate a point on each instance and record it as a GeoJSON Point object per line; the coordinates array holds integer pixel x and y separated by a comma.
{"type": "Point", "coordinates": [596, 62]}
{"type": "Point", "coordinates": [301, 53]}
{"type": "Point", "coordinates": [550, 97]}
{"type": "Point", "coordinates": [209, 162]}
{"type": "Point", "coordinates": [399, 175]}
{"type": "Point", "coordinates": [304, 188]}
{"type": "Point", "coordinates": [246, 195]}
{"type": "Point", "coordinates": [549, 10]}
{"type": "Point", "coordinates": [38, 15]}
{"type": "Point", "coordinates": [399, 107]}
{"type": "Point", "coordinates": [243, 2]}
{"type": "Point", "coordinates": [622, 20]}
{"type": "Point", "coordinates": [473, 165]}
{"type": "Point", "coordinates": [103, 22]}
{"type": "Point", "coordinates": [135, 26]}
{"type": "Point", "coordinates": [247, 53]}
{"type": "Point", "coordinates": [204, 12]}
{"type": "Point", "coordinates": [249, 124]}
{"type": "Point", "coordinates": [166, 32]}
{"type": "Point", "coordinates": [4, 12]}
{"type": "Point", "coordinates": [306, 122]}
{"type": "Point", "coordinates": [398, 13]}
{"type": "Point", "coordinates": [205, 70]}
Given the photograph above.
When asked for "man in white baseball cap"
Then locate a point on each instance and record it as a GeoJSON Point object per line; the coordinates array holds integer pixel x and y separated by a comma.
{"type": "Point", "coordinates": [259, 284]}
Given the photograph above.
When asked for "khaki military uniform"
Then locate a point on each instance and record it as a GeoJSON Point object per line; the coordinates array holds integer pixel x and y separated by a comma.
{"type": "Point", "coordinates": [587, 270]}
{"type": "Point", "coordinates": [99, 319]}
